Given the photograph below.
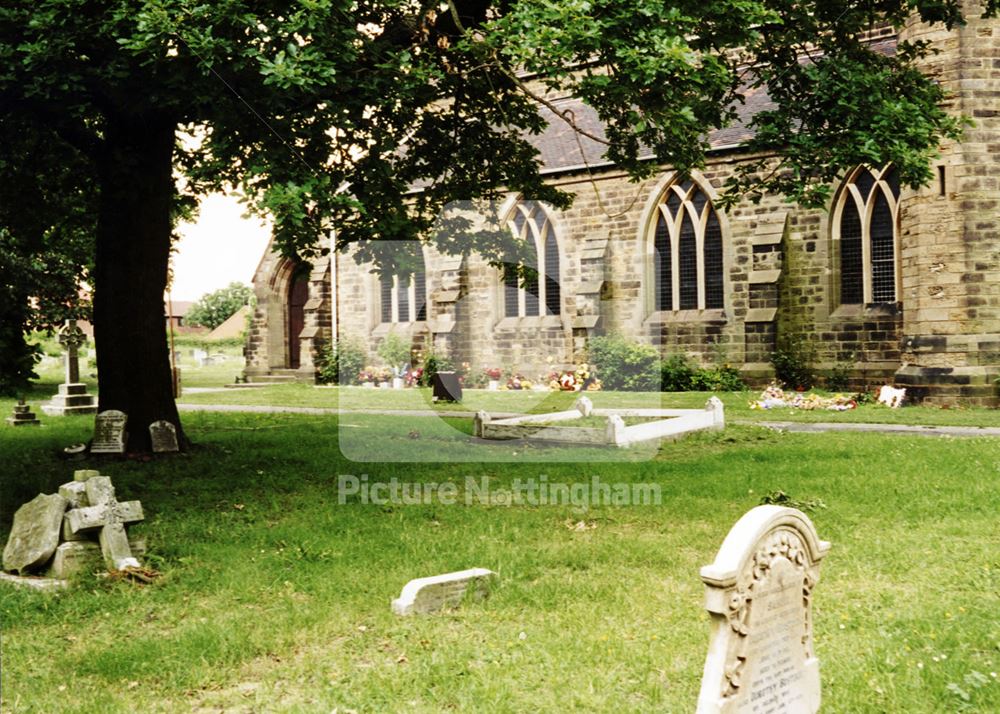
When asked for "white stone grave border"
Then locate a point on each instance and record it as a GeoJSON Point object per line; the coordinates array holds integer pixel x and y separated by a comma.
{"type": "Point", "coordinates": [670, 423]}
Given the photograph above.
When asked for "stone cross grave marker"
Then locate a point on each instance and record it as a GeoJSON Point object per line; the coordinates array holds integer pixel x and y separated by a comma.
{"type": "Point", "coordinates": [109, 433]}
{"type": "Point", "coordinates": [71, 337]}
{"type": "Point", "coordinates": [425, 595]}
{"type": "Point", "coordinates": [163, 435]}
{"type": "Point", "coordinates": [759, 595]}
{"type": "Point", "coordinates": [109, 517]}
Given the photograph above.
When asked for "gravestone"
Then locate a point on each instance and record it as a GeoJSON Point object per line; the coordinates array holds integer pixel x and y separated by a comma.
{"type": "Point", "coordinates": [759, 595]}
{"type": "Point", "coordinates": [109, 433]}
{"type": "Point", "coordinates": [446, 387]}
{"type": "Point", "coordinates": [35, 533]}
{"type": "Point", "coordinates": [163, 435]}
{"type": "Point", "coordinates": [22, 416]}
{"type": "Point", "coordinates": [72, 397]}
{"type": "Point", "coordinates": [108, 517]}
{"type": "Point", "coordinates": [425, 595]}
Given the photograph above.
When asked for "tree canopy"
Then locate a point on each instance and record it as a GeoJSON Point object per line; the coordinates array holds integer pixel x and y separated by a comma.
{"type": "Point", "coordinates": [214, 308]}
{"type": "Point", "coordinates": [292, 101]}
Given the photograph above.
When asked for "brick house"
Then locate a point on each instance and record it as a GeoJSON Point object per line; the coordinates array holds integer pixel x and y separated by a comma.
{"type": "Point", "coordinates": [903, 286]}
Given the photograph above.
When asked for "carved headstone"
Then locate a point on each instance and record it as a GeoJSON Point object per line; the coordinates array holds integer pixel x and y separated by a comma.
{"type": "Point", "coordinates": [35, 533]}
{"type": "Point", "coordinates": [22, 416]}
{"type": "Point", "coordinates": [109, 433]}
{"type": "Point", "coordinates": [425, 595]}
{"type": "Point", "coordinates": [759, 595]}
{"type": "Point", "coordinates": [72, 397]}
{"type": "Point", "coordinates": [163, 435]}
{"type": "Point", "coordinates": [107, 516]}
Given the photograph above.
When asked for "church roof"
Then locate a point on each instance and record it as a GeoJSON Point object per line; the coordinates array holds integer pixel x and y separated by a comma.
{"type": "Point", "coordinates": [562, 149]}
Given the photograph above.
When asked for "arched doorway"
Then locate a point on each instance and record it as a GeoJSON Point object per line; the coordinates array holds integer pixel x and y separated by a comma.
{"type": "Point", "coordinates": [298, 294]}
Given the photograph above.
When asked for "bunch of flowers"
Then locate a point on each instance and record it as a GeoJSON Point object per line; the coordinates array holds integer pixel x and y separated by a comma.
{"type": "Point", "coordinates": [367, 375]}
{"type": "Point", "coordinates": [413, 376]}
{"type": "Point", "coordinates": [383, 375]}
{"type": "Point", "coordinates": [573, 380]}
{"type": "Point", "coordinates": [518, 381]}
{"type": "Point", "coordinates": [493, 373]}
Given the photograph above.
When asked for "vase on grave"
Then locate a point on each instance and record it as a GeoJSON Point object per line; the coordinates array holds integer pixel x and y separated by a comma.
{"type": "Point", "coordinates": [72, 397]}
{"type": "Point", "coordinates": [397, 382]}
{"type": "Point", "coordinates": [383, 385]}
{"type": "Point", "coordinates": [494, 385]}
{"type": "Point", "coordinates": [369, 385]}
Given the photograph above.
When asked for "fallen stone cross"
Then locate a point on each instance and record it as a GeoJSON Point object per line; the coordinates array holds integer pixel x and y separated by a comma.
{"type": "Point", "coordinates": [107, 516]}
{"type": "Point", "coordinates": [759, 595]}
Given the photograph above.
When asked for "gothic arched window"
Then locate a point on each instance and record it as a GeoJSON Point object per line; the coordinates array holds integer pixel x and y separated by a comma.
{"type": "Point", "coordinates": [687, 251]}
{"type": "Point", "coordinates": [865, 224]}
{"type": "Point", "coordinates": [537, 291]}
{"type": "Point", "coordinates": [403, 296]}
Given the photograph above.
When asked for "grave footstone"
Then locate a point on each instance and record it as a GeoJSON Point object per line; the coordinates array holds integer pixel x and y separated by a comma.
{"type": "Point", "coordinates": [426, 595]}
{"type": "Point", "coordinates": [35, 533]}
{"type": "Point", "coordinates": [108, 517]}
{"type": "Point", "coordinates": [759, 595]}
{"type": "Point", "coordinates": [72, 397]}
{"type": "Point", "coordinates": [109, 433]}
{"type": "Point", "coordinates": [163, 435]}
{"type": "Point", "coordinates": [22, 416]}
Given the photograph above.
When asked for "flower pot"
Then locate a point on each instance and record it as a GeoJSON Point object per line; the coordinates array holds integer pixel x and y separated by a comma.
{"type": "Point", "coordinates": [383, 385]}
{"type": "Point", "coordinates": [397, 382]}
{"type": "Point", "coordinates": [494, 385]}
{"type": "Point", "coordinates": [369, 385]}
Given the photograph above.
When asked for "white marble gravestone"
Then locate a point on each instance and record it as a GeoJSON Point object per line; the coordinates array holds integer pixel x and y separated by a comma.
{"type": "Point", "coordinates": [425, 595]}
{"type": "Point", "coordinates": [109, 433]}
{"type": "Point", "coordinates": [163, 436]}
{"type": "Point", "coordinates": [759, 595]}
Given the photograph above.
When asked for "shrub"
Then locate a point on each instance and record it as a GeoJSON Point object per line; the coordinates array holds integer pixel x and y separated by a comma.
{"type": "Point", "coordinates": [624, 365]}
{"type": "Point", "coordinates": [793, 368]}
{"type": "Point", "coordinates": [395, 351]}
{"type": "Point", "coordinates": [676, 374]}
{"type": "Point", "coordinates": [341, 362]}
{"type": "Point", "coordinates": [724, 378]}
{"type": "Point", "coordinates": [432, 365]}
{"type": "Point", "coordinates": [212, 309]}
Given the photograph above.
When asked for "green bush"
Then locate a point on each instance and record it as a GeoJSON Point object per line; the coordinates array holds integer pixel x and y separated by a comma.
{"type": "Point", "coordinates": [341, 362]}
{"type": "Point", "coordinates": [432, 365]}
{"type": "Point", "coordinates": [395, 351]}
{"type": "Point", "coordinates": [212, 309]}
{"type": "Point", "coordinates": [723, 378]}
{"type": "Point", "coordinates": [677, 374]}
{"type": "Point", "coordinates": [793, 368]}
{"type": "Point", "coordinates": [624, 365]}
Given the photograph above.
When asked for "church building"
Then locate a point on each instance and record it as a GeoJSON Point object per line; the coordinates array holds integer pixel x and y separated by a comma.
{"type": "Point", "coordinates": [900, 286]}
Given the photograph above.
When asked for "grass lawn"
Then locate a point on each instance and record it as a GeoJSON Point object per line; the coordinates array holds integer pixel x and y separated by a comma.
{"type": "Point", "coordinates": [274, 597]}
{"type": "Point", "coordinates": [737, 404]}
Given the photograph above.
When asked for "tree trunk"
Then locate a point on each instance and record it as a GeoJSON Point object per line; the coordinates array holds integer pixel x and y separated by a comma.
{"type": "Point", "coordinates": [132, 257]}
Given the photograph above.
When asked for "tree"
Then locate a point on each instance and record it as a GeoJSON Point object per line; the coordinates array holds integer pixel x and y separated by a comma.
{"type": "Point", "coordinates": [42, 263]}
{"type": "Point", "coordinates": [214, 308]}
{"type": "Point", "coordinates": [293, 101]}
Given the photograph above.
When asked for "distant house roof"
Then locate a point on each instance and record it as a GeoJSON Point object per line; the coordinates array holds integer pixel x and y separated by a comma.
{"type": "Point", "coordinates": [234, 325]}
{"type": "Point", "coordinates": [177, 308]}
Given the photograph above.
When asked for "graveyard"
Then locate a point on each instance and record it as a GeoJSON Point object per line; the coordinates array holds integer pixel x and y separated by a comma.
{"type": "Point", "coordinates": [274, 595]}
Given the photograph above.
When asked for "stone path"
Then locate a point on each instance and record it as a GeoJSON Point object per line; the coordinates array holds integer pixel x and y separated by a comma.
{"type": "Point", "coordinates": [819, 427]}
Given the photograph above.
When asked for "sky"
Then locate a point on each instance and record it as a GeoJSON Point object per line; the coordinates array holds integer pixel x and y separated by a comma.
{"type": "Point", "coordinates": [220, 247]}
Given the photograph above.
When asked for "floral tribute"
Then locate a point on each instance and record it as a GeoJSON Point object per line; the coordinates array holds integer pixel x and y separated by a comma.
{"type": "Point", "coordinates": [774, 397]}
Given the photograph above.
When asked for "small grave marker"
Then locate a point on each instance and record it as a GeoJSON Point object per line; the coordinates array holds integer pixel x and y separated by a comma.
{"type": "Point", "coordinates": [22, 416]}
{"type": "Point", "coordinates": [109, 433]}
{"type": "Point", "coordinates": [425, 595]}
{"type": "Point", "coordinates": [759, 595]}
{"type": "Point", "coordinates": [445, 387]}
{"type": "Point", "coordinates": [163, 435]}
